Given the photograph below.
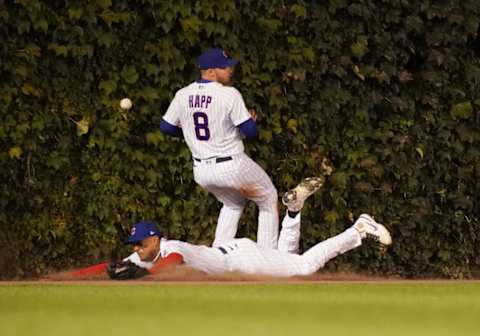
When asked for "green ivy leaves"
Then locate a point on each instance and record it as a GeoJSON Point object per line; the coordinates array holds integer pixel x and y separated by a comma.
{"type": "Point", "coordinates": [462, 110]}
{"type": "Point", "coordinates": [393, 99]}
{"type": "Point", "coordinates": [129, 74]}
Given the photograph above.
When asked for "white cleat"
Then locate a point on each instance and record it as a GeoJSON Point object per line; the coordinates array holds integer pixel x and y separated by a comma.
{"type": "Point", "coordinates": [294, 199]}
{"type": "Point", "coordinates": [368, 228]}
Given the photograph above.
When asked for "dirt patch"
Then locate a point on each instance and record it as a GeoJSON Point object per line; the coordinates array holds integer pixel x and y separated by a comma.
{"type": "Point", "coordinates": [186, 275]}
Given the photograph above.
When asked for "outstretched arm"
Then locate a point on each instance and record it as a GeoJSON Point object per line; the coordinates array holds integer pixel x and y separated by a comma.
{"type": "Point", "coordinates": [90, 270]}
{"type": "Point", "coordinates": [131, 269]}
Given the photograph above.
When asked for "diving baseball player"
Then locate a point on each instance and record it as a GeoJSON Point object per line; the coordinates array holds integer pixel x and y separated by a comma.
{"type": "Point", "coordinates": [154, 253]}
{"type": "Point", "coordinates": [212, 118]}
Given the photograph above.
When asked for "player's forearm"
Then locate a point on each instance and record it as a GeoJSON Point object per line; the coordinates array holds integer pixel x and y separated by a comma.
{"type": "Point", "coordinates": [173, 259]}
{"type": "Point", "coordinates": [249, 129]}
{"type": "Point", "coordinates": [170, 129]}
{"type": "Point", "coordinates": [90, 270]}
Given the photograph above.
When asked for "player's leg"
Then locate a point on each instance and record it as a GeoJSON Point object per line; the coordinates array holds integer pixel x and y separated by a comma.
{"type": "Point", "coordinates": [233, 204]}
{"type": "Point", "coordinates": [255, 260]}
{"type": "Point", "coordinates": [234, 181]}
{"type": "Point", "coordinates": [256, 185]}
{"type": "Point", "coordinates": [215, 180]}
{"type": "Point", "coordinates": [364, 227]}
{"type": "Point", "coordinates": [232, 209]}
{"type": "Point", "coordinates": [246, 257]}
{"type": "Point", "coordinates": [227, 224]}
{"type": "Point", "coordinates": [278, 263]}
{"type": "Point", "coordinates": [289, 239]}
{"type": "Point", "coordinates": [267, 232]}
{"type": "Point", "coordinates": [320, 254]}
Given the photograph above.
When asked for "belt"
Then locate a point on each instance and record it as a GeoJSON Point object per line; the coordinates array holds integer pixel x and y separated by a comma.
{"type": "Point", "coordinates": [222, 250]}
{"type": "Point", "coordinates": [217, 160]}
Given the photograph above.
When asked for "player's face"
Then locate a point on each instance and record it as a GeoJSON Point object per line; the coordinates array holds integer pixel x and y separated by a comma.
{"type": "Point", "coordinates": [224, 75]}
{"type": "Point", "coordinates": [148, 248]}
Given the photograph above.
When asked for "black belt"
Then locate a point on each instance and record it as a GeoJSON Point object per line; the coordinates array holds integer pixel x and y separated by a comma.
{"type": "Point", "coordinates": [222, 250]}
{"type": "Point", "coordinates": [217, 160]}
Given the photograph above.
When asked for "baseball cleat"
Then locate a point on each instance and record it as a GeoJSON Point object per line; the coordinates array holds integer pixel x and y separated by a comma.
{"type": "Point", "coordinates": [368, 228]}
{"type": "Point", "coordinates": [294, 199]}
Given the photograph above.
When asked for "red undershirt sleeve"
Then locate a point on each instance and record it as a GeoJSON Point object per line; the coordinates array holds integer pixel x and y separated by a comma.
{"type": "Point", "coordinates": [90, 270]}
{"type": "Point", "coordinates": [170, 260]}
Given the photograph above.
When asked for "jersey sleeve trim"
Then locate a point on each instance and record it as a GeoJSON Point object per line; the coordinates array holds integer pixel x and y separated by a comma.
{"type": "Point", "coordinates": [248, 128]}
{"type": "Point", "coordinates": [169, 129]}
{"type": "Point", "coordinates": [90, 270]}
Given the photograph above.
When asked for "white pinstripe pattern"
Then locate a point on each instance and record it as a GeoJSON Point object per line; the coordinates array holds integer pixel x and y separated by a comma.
{"type": "Point", "coordinates": [202, 258]}
{"type": "Point", "coordinates": [232, 182]}
{"type": "Point", "coordinates": [245, 256]}
{"type": "Point", "coordinates": [225, 111]}
{"type": "Point", "coordinates": [289, 238]}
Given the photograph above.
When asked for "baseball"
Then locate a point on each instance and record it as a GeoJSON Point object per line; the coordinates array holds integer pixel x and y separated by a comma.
{"type": "Point", "coordinates": [126, 104]}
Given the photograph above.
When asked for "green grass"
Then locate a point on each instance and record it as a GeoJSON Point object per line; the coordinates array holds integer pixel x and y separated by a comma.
{"type": "Point", "coordinates": [351, 309]}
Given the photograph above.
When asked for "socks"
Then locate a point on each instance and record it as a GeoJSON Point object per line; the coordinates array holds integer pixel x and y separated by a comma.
{"type": "Point", "coordinates": [292, 214]}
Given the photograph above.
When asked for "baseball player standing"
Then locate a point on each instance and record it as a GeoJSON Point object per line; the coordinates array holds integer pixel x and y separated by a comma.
{"type": "Point", "coordinates": [212, 117]}
{"type": "Point", "coordinates": [154, 253]}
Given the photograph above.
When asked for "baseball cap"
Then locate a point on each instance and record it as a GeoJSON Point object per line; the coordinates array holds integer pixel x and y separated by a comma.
{"type": "Point", "coordinates": [141, 230]}
{"type": "Point", "coordinates": [215, 58]}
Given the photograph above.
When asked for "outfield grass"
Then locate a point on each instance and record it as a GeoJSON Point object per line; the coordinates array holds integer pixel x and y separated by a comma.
{"type": "Point", "coordinates": [351, 309]}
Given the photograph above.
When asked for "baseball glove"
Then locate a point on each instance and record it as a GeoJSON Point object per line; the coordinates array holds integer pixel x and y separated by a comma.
{"type": "Point", "coordinates": [124, 270]}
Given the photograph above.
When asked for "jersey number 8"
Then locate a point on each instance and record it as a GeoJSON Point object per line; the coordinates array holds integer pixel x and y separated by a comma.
{"type": "Point", "coordinates": [200, 119]}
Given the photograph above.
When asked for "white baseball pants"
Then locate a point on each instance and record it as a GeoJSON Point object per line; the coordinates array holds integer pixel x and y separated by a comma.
{"type": "Point", "coordinates": [233, 182]}
{"type": "Point", "coordinates": [245, 256]}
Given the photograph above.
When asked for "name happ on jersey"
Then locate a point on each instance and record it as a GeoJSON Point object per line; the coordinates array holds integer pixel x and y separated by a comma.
{"type": "Point", "coordinates": [209, 114]}
{"type": "Point", "coordinates": [199, 101]}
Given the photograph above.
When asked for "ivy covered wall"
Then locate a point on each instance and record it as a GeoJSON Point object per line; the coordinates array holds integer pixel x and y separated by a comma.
{"type": "Point", "coordinates": [388, 90]}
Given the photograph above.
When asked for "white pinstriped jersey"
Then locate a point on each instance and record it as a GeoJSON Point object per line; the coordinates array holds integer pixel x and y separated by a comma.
{"type": "Point", "coordinates": [208, 114]}
{"type": "Point", "coordinates": [199, 257]}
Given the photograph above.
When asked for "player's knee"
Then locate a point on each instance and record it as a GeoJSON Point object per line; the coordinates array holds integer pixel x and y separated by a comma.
{"type": "Point", "coordinates": [219, 241]}
{"type": "Point", "coordinates": [273, 192]}
{"type": "Point", "coordinates": [269, 204]}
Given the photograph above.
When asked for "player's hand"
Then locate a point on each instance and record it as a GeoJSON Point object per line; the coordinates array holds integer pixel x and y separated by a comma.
{"type": "Point", "coordinates": [253, 114]}
{"type": "Point", "coordinates": [124, 270]}
{"type": "Point", "coordinates": [326, 167]}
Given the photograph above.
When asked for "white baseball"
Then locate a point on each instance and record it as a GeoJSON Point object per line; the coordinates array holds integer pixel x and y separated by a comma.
{"type": "Point", "coordinates": [126, 104]}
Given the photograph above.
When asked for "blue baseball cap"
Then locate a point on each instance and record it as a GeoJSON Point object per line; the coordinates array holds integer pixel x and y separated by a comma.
{"type": "Point", "coordinates": [215, 58]}
{"type": "Point", "coordinates": [142, 230]}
